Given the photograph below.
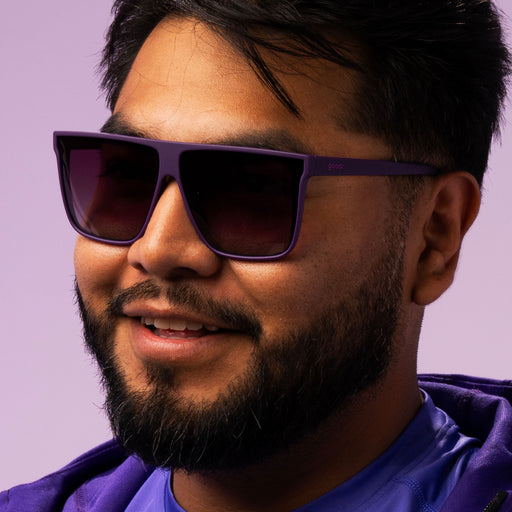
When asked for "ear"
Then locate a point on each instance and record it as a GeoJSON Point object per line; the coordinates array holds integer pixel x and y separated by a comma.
{"type": "Point", "coordinates": [447, 214]}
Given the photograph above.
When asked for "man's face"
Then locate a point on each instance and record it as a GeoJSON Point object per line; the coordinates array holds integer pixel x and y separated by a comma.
{"type": "Point", "coordinates": [216, 353]}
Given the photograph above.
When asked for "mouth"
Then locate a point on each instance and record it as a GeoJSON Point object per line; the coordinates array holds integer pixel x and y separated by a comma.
{"type": "Point", "coordinates": [178, 340]}
{"type": "Point", "coordinates": [173, 328]}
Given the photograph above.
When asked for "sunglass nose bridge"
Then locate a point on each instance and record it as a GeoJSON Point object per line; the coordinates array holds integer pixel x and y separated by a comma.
{"type": "Point", "coordinates": [166, 181]}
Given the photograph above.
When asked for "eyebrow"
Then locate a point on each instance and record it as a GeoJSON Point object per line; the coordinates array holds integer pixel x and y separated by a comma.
{"type": "Point", "coordinates": [116, 125]}
{"type": "Point", "coordinates": [271, 138]}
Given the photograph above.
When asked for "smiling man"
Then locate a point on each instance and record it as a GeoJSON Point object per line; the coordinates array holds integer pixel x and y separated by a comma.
{"type": "Point", "coordinates": [281, 190]}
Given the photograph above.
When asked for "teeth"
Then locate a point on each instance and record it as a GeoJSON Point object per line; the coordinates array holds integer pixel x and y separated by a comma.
{"type": "Point", "coordinates": [177, 325]}
{"type": "Point", "coordinates": [160, 323]}
{"type": "Point", "coordinates": [194, 326]}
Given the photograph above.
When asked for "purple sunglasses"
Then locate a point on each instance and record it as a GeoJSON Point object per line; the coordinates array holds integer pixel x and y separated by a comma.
{"type": "Point", "coordinates": [244, 203]}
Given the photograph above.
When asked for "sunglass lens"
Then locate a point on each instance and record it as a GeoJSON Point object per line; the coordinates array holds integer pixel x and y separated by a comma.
{"type": "Point", "coordinates": [244, 204]}
{"type": "Point", "coordinates": [109, 186]}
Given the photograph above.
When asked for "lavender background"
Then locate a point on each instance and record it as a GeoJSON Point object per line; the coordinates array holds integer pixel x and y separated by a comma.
{"type": "Point", "coordinates": [51, 403]}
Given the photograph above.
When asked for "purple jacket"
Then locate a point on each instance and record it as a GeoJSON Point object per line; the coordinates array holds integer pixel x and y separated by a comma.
{"type": "Point", "coordinates": [106, 478]}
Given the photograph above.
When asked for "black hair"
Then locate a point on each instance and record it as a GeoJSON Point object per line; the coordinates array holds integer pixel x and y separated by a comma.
{"type": "Point", "coordinates": [433, 73]}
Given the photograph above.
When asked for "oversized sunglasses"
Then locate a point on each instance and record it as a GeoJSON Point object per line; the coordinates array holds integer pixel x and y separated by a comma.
{"type": "Point", "coordinates": [244, 203]}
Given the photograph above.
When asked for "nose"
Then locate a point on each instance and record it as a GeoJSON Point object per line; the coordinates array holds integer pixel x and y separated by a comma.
{"type": "Point", "coordinates": [170, 247]}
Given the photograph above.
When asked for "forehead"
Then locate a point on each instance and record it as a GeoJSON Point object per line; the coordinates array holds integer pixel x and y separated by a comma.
{"type": "Point", "coordinates": [187, 83]}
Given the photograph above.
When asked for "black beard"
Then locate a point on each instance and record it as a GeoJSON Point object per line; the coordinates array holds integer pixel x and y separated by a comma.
{"type": "Point", "coordinates": [291, 387]}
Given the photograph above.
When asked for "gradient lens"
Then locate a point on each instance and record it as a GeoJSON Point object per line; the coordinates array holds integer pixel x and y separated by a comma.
{"type": "Point", "coordinates": [109, 186]}
{"type": "Point", "coordinates": [243, 203]}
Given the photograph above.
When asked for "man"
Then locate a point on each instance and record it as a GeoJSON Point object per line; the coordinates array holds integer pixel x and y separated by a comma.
{"type": "Point", "coordinates": [256, 311]}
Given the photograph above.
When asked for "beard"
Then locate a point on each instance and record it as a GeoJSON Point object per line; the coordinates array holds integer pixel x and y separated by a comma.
{"type": "Point", "coordinates": [291, 386]}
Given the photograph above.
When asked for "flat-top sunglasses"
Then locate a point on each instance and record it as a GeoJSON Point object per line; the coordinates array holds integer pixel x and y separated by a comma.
{"type": "Point", "coordinates": [244, 203]}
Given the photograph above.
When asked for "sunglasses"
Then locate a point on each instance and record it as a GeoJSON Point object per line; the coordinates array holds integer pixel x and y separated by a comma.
{"type": "Point", "coordinates": [244, 203]}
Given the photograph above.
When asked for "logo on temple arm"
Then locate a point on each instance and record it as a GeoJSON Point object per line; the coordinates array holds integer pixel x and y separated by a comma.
{"type": "Point", "coordinates": [335, 166]}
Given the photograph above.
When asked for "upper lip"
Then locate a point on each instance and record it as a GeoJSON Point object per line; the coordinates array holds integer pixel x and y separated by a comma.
{"type": "Point", "coordinates": [135, 310]}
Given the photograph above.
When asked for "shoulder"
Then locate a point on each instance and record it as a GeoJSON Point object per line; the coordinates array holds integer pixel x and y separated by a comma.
{"type": "Point", "coordinates": [84, 484]}
{"type": "Point", "coordinates": [462, 396]}
{"type": "Point", "coordinates": [481, 408]}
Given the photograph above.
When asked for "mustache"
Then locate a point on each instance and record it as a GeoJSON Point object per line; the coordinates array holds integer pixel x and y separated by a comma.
{"type": "Point", "coordinates": [235, 316]}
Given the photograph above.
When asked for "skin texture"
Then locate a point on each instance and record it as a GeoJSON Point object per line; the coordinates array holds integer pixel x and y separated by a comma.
{"type": "Point", "coordinates": [187, 84]}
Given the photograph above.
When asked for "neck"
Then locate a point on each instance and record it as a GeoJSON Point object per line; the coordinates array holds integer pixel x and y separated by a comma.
{"type": "Point", "coordinates": [343, 446]}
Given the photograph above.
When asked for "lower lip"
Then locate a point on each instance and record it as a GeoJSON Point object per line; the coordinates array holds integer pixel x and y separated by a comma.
{"type": "Point", "coordinates": [162, 350]}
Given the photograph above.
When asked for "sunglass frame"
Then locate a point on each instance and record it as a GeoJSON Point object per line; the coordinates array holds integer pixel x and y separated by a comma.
{"type": "Point", "coordinates": [169, 156]}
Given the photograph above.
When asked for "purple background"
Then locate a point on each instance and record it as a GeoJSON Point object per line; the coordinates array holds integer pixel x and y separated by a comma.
{"type": "Point", "coordinates": [51, 403]}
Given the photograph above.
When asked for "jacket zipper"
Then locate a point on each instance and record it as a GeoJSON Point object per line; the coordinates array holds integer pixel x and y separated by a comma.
{"type": "Point", "coordinates": [496, 502]}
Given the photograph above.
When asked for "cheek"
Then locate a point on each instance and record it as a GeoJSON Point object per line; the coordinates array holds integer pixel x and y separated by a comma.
{"type": "Point", "coordinates": [98, 268]}
{"type": "Point", "coordinates": [287, 294]}
{"type": "Point", "coordinates": [337, 247]}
